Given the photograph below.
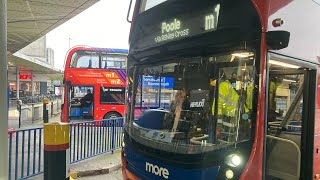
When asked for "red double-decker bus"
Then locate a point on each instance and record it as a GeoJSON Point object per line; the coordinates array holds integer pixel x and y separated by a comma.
{"type": "Point", "coordinates": [94, 84]}
{"type": "Point", "coordinates": [244, 93]}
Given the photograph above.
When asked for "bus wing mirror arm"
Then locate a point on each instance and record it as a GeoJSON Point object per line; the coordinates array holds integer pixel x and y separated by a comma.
{"type": "Point", "coordinates": [277, 39]}
{"type": "Point", "coordinates": [128, 13]}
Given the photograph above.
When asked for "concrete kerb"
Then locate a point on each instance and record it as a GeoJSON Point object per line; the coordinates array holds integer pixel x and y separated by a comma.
{"type": "Point", "coordinates": [102, 164]}
{"type": "Point", "coordinates": [96, 172]}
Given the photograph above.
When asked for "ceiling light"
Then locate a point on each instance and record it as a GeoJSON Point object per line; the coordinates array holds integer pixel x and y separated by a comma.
{"type": "Point", "coordinates": [289, 80]}
{"type": "Point", "coordinates": [242, 54]}
{"type": "Point", "coordinates": [283, 64]}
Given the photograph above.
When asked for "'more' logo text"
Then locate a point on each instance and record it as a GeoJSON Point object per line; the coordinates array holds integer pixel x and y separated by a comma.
{"type": "Point", "coordinates": [156, 170]}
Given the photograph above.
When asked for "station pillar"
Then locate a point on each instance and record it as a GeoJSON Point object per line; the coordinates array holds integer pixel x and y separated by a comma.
{"type": "Point", "coordinates": [17, 82]}
{"type": "Point", "coordinates": [3, 91]}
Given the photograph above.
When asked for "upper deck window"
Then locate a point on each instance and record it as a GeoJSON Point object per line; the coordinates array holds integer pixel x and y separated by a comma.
{"type": "Point", "coordinates": [147, 4]}
{"type": "Point", "coordinates": [97, 60]}
{"type": "Point", "coordinates": [85, 59]}
{"type": "Point", "coordinates": [113, 61]}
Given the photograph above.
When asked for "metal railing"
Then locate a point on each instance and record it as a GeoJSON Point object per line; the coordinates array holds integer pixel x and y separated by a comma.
{"type": "Point", "coordinates": [25, 153]}
{"type": "Point", "coordinates": [89, 139]}
{"type": "Point", "coordinates": [33, 112]}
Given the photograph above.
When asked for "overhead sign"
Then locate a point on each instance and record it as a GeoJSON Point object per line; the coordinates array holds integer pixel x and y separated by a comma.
{"type": "Point", "coordinates": [153, 82]}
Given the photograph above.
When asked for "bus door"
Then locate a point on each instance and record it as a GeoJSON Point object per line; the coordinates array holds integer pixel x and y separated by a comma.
{"type": "Point", "coordinates": [80, 102]}
{"type": "Point", "coordinates": [290, 120]}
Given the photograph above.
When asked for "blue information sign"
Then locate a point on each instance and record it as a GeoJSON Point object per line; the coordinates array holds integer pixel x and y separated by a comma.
{"type": "Point", "coordinates": [153, 82]}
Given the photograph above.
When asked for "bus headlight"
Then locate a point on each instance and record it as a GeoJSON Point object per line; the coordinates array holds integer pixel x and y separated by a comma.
{"type": "Point", "coordinates": [233, 160]}
{"type": "Point", "coordinates": [229, 174]}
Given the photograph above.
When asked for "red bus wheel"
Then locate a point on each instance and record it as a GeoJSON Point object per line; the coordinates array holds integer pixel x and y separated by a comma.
{"type": "Point", "coordinates": [112, 115]}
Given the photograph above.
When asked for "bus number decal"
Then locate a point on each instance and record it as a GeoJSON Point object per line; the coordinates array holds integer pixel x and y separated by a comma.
{"type": "Point", "coordinates": [211, 20]}
{"type": "Point", "coordinates": [113, 78]}
{"type": "Point", "coordinates": [111, 75]}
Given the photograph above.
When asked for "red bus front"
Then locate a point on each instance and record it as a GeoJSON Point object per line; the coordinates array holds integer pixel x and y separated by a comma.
{"type": "Point", "coordinates": [94, 80]}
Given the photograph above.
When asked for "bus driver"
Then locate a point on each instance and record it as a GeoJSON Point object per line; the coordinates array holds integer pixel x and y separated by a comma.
{"type": "Point", "coordinates": [87, 99]}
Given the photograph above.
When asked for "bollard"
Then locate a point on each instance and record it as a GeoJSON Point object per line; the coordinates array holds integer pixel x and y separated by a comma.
{"type": "Point", "coordinates": [19, 104]}
{"type": "Point", "coordinates": [45, 110]}
{"type": "Point", "coordinates": [51, 108]}
{"type": "Point", "coordinates": [56, 151]}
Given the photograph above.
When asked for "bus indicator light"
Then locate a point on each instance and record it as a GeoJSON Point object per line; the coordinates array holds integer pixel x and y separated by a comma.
{"type": "Point", "coordinates": [229, 174]}
{"type": "Point", "coordinates": [277, 22]}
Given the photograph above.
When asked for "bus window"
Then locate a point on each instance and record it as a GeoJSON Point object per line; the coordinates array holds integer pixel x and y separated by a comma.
{"type": "Point", "coordinates": [111, 61]}
{"type": "Point", "coordinates": [112, 95]}
{"type": "Point", "coordinates": [147, 4]}
{"type": "Point", "coordinates": [152, 95]}
{"type": "Point", "coordinates": [85, 59]}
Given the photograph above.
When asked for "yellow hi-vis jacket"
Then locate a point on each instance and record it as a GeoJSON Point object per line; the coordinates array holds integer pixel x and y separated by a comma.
{"type": "Point", "coordinates": [248, 104]}
{"type": "Point", "coordinates": [272, 95]}
{"type": "Point", "coordinates": [227, 101]}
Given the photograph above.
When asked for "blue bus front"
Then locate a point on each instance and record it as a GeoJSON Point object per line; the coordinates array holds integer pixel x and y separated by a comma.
{"type": "Point", "coordinates": [192, 89]}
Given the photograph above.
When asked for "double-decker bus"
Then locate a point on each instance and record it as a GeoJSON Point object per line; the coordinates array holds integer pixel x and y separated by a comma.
{"type": "Point", "coordinates": [243, 99]}
{"type": "Point", "coordinates": [94, 84]}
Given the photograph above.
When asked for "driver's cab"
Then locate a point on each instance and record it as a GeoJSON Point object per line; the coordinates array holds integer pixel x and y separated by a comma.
{"type": "Point", "coordinates": [80, 103]}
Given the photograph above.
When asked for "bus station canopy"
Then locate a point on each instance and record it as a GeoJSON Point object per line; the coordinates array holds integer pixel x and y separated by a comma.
{"type": "Point", "coordinates": [29, 20]}
{"type": "Point", "coordinates": [29, 64]}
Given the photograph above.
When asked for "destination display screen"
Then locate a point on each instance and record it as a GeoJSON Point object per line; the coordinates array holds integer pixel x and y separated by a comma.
{"type": "Point", "coordinates": [179, 27]}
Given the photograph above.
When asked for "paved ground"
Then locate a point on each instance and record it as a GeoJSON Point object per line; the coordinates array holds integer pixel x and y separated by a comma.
{"type": "Point", "coordinates": [116, 175]}
{"type": "Point", "coordinates": [105, 167]}
{"type": "Point", "coordinates": [98, 165]}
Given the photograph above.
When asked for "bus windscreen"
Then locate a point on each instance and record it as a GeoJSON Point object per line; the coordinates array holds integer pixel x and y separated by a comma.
{"type": "Point", "coordinates": [148, 4]}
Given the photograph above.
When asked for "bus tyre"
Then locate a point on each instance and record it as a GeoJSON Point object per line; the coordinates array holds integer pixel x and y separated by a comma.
{"type": "Point", "coordinates": [112, 115]}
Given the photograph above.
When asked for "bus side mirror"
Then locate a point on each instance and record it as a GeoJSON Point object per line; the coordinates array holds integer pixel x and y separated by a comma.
{"type": "Point", "coordinates": [278, 39]}
{"type": "Point", "coordinates": [62, 106]}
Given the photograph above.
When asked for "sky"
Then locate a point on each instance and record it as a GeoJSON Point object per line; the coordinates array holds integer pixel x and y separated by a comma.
{"type": "Point", "coordinates": [102, 25]}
